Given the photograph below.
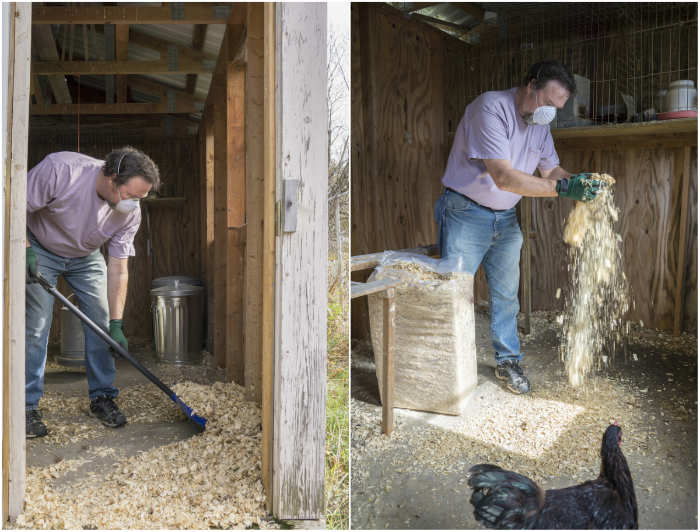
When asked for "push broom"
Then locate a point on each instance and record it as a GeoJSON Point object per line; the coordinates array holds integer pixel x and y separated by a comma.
{"type": "Point", "coordinates": [119, 350]}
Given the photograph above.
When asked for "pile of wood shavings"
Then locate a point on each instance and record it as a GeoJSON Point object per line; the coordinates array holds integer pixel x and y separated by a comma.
{"type": "Point", "coordinates": [212, 480]}
{"type": "Point", "coordinates": [599, 295]}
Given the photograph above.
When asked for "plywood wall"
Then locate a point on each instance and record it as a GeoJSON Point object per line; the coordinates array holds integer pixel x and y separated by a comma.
{"type": "Point", "coordinates": [410, 85]}
{"type": "Point", "coordinates": [175, 231]}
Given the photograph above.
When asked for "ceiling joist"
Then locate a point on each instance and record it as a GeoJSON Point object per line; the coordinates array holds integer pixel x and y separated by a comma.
{"type": "Point", "coordinates": [183, 66]}
{"type": "Point", "coordinates": [173, 13]}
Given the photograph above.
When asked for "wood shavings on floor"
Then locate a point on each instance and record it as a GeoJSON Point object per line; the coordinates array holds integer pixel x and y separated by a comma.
{"type": "Point", "coordinates": [551, 432]}
{"type": "Point", "coordinates": [212, 480]}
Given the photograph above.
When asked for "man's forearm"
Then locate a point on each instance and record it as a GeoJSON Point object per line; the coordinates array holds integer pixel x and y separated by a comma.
{"type": "Point", "coordinates": [117, 283]}
{"type": "Point", "coordinates": [525, 184]}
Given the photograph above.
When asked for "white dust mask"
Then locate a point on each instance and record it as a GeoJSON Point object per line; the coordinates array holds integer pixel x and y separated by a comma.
{"type": "Point", "coordinates": [543, 114]}
{"type": "Point", "coordinates": [126, 205]}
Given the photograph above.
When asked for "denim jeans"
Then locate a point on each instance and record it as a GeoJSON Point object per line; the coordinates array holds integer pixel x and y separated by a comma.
{"type": "Point", "coordinates": [483, 236]}
{"type": "Point", "coordinates": [87, 277]}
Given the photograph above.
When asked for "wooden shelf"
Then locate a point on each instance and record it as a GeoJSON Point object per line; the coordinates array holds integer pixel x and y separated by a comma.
{"type": "Point", "coordinates": [680, 127]}
{"type": "Point", "coordinates": [174, 201]}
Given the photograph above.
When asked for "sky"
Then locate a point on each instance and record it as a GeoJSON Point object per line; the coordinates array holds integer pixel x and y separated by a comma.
{"type": "Point", "coordinates": [339, 24]}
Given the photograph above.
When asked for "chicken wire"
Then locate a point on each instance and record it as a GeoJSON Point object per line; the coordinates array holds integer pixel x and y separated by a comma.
{"type": "Point", "coordinates": [625, 52]}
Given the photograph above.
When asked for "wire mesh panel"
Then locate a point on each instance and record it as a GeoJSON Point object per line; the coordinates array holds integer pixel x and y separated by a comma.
{"type": "Point", "coordinates": [631, 60]}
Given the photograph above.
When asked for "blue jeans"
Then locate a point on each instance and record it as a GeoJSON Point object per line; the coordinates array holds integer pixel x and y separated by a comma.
{"type": "Point", "coordinates": [483, 236]}
{"type": "Point", "coordinates": [87, 276]}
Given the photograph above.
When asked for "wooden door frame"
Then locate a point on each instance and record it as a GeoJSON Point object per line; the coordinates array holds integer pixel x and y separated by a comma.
{"type": "Point", "coordinates": [13, 449]}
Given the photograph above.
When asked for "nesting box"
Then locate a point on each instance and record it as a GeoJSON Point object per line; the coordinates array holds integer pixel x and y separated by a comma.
{"type": "Point", "coordinates": [435, 352]}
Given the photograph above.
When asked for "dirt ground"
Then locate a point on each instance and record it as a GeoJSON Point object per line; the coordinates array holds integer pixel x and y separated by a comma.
{"type": "Point", "coordinates": [78, 449]}
{"type": "Point", "coordinates": [416, 479]}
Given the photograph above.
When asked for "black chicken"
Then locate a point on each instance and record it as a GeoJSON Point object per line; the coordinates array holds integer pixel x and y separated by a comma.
{"type": "Point", "coordinates": [507, 500]}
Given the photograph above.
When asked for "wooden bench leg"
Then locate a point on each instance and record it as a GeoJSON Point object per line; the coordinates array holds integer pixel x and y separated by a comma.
{"type": "Point", "coordinates": [388, 373]}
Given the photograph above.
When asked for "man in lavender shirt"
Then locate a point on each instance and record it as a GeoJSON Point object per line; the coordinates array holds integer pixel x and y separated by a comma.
{"type": "Point", "coordinates": [501, 140]}
{"type": "Point", "coordinates": [75, 204]}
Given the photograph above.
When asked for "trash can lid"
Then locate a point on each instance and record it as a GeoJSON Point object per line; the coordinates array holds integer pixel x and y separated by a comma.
{"type": "Point", "coordinates": [171, 279]}
{"type": "Point", "coordinates": [177, 289]}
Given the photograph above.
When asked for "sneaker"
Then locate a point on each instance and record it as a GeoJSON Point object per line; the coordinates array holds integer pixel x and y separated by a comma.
{"type": "Point", "coordinates": [106, 410]}
{"type": "Point", "coordinates": [511, 372]}
{"type": "Point", "coordinates": [35, 427]}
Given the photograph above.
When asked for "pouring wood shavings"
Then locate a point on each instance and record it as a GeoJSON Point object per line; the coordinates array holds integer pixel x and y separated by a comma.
{"type": "Point", "coordinates": [211, 480]}
{"type": "Point", "coordinates": [599, 295]}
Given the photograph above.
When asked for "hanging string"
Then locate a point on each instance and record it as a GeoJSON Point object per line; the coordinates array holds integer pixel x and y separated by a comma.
{"type": "Point", "coordinates": [78, 113]}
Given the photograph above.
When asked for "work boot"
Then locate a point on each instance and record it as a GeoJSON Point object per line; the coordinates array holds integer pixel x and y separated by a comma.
{"type": "Point", "coordinates": [35, 427]}
{"type": "Point", "coordinates": [106, 410]}
{"type": "Point", "coordinates": [511, 372]}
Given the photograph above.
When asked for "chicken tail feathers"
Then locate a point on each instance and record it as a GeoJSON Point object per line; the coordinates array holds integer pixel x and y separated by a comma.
{"type": "Point", "coordinates": [503, 499]}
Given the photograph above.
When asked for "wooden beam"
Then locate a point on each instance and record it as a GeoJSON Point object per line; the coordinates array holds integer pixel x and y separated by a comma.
{"type": "Point", "coordinates": [122, 47]}
{"type": "Point", "coordinates": [302, 266]}
{"type": "Point", "coordinates": [173, 13]}
{"type": "Point", "coordinates": [36, 91]}
{"type": "Point", "coordinates": [184, 66]}
{"type": "Point", "coordinates": [235, 219]}
{"type": "Point", "coordinates": [411, 7]}
{"type": "Point", "coordinates": [198, 35]}
{"type": "Point", "coordinates": [269, 251]}
{"type": "Point", "coordinates": [388, 314]}
{"type": "Point", "coordinates": [358, 289]}
{"type": "Point", "coordinates": [680, 272]}
{"type": "Point", "coordinates": [116, 108]}
{"type": "Point", "coordinates": [208, 222]}
{"type": "Point", "coordinates": [44, 46]}
{"type": "Point", "coordinates": [217, 105]}
{"type": "Point", "coordinates": [630, 129]}
{"type": "Point", "coordinates": [254, 190]}
{"type": "Point", "coordinates": [462, 31]}
{"type": "Point", "coordinates": [163, 46]}
{"type": "Point", "coordinates": [15, 166]}
{"type": "Point", "coordinates": [220, 233]}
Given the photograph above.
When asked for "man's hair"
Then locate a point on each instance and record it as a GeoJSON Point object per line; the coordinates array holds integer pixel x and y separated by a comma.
{"type": "Point", "coordinates": [548, 70]}
{"type": "Point", "coordinates": [127, 162]}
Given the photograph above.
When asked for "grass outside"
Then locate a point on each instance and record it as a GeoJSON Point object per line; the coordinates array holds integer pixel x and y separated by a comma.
{"type": "Point", "coordinates": [337, 419]}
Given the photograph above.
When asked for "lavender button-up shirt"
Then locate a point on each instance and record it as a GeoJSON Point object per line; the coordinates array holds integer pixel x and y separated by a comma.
{"type": "Point", "coordinates": [491, 128]}
{"type": "Point", "coordinates": [66, 215]}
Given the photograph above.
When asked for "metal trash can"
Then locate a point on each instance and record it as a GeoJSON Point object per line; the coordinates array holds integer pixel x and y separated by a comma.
{"type": "Point", "coordinates": [178, 322]}
{"type": "Point", "coordinates": [72, 340]}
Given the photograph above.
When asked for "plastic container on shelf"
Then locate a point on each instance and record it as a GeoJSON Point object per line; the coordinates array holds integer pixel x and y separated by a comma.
{"type": "Point", "coordinates": [681, 96]}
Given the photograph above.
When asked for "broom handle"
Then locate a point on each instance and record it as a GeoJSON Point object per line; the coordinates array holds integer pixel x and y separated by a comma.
{"type": "Point", "coordinates": [106, 337]}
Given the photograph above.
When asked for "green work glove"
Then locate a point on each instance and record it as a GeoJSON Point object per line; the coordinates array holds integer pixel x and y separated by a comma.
{"type": "Point", "coordinates": [579, 187]}
{"type": "Point", "coordinates": [31, 265]}
{"type": "Point", "coordinates": [115, 331]}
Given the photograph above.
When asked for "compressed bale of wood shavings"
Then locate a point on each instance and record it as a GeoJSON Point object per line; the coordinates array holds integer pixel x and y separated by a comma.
{"type": "Point", "coordinates": [211, 480]}
{"type": "Point", "coordinates": [599, 297]}
{"type": "Point", "coordinates": [435, 351]}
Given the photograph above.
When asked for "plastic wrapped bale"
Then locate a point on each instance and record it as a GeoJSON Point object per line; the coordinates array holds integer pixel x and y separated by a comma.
{"type": "Point", "coordinates": [434, 348]}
